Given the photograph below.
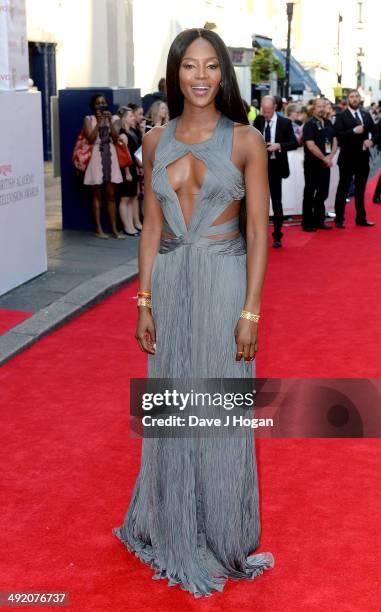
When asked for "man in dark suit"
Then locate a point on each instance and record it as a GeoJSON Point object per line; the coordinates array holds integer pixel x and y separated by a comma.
{"type": "Point", "coordinates": [279, 137]}
{"type": "Point", "coordinates": [356, 133]}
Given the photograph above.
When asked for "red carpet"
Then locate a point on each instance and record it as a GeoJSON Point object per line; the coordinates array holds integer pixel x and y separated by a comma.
{"type": "Point", "coordinates": [322, 301]}
{"type": "Point", "coordinates": [10, 318]}
{"type": "Point", "coordinates": [68, 464]}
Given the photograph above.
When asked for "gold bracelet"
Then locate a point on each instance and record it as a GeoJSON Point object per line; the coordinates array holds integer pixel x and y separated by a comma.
{"type": "Point", "coordinates": [245, 314]}
{"type": "Point", "coordinates": [144, 302]}
{"type": "Point", "coordinates": [146, 294]}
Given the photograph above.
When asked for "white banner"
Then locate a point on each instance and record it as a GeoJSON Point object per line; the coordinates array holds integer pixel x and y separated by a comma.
{"type": "Point", "coordinates": [293, 186]}
{"type": "Point", "coordinates": [14, 58]}
{"type": "Point", "coordinates": [22, 197]}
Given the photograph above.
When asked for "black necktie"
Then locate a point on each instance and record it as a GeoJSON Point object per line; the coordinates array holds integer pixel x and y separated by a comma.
{"type": "Point", "coordinates": [358, 118]}
{"type": "Point", "coordinates": [268, 132]}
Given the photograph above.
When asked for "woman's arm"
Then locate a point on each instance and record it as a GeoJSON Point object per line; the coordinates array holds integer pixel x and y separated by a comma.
{"type": "Point", "coordinates": [257, 215]}
{"type": "Point", "coordinates": [149, 242]}
{"type": "Point", "coordinates": [90, 132]}
{"type": "Point", "coordinates": [114, 127]}
{"type": "Point", "coordinates": [123, 138]}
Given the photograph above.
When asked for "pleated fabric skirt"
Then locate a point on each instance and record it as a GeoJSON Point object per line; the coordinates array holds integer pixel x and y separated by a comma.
{"type": "Point", "coordinates": [194, 512]}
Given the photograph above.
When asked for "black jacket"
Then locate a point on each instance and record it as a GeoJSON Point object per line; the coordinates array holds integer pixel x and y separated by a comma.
{"type": "Point", "coordinates": [350, 143]}
{"type": "Point", "coordinates": [284, 134]}
{"type": "Point", "coordinates": [377, 140]}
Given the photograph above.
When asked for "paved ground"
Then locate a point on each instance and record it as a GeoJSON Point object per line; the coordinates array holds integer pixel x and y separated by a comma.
{"type": "Point", "coordinates": [81, 270]}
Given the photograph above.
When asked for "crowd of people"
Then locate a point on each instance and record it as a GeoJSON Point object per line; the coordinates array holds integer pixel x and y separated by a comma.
{"type": "Point", "coordinates": [121, 185]}
{"type": "Point", "coordinates": [320, 127]}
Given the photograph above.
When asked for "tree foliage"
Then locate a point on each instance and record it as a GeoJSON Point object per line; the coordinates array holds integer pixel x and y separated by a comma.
{"type": "Point", "coordinates": [263, 64]}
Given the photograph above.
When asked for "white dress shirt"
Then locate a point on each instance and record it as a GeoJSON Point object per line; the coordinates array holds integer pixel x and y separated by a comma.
{"type": "Point", "coordinates": [273, 121]}
{"type": "Point", "coordinates": [362, 122]}
{"type": "Point", "coordinates": [358, 114]}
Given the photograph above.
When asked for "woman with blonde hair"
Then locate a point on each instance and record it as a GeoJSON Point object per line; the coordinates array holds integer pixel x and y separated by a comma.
{"type": "Point", "coordinates": [293, 111]}
{"type": "Point", "coordinates": [158, 114]}
{"type": "Point", "coordinates": [128, 190]}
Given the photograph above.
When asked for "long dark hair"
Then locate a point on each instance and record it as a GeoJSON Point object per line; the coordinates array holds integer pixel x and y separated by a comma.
{"type": "Point", "coordinates": [94, 98]}
{"type": "Point", "coordinates": [228, 99]}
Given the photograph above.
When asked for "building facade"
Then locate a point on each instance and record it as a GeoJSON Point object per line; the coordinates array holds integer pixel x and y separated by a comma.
{"type": "Point", "coordinates": [334, 39]}
{"type": "Point", "coordinates": [126, 42]}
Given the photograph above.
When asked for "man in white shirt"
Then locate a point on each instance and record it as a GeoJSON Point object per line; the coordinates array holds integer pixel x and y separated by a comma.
{"type": "Point", "coordinates": [279, 138]}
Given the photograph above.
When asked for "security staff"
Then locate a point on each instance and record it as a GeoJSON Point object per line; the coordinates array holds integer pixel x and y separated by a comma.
{"type": "Point", "coordinates": [279, 137]}
{"type": "Point", "coordinates": [320, 145]}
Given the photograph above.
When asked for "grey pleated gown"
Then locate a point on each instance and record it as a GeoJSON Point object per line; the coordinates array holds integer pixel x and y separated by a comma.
{"type": "Point", "coordinates": [194, 512]}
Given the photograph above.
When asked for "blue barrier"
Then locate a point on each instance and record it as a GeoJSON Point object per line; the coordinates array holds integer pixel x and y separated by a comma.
{"type": "Point", "coordinates": [73, 106]}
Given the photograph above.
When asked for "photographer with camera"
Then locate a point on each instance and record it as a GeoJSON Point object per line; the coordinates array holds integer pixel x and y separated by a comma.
{"type": "Point", "coordinates": [103, 171]}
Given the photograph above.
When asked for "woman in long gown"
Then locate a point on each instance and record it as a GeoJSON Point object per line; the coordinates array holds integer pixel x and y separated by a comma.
{"type": "Point", "coordinates": [194, 512]}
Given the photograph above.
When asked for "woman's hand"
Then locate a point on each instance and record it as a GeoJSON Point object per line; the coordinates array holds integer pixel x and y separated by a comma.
{"type": "Point", "coordinates": [246, 337]}
{"type": "Point", "coordinates": [145, 331]}
{"type": "Point", "coordinates": [128, 175]}
{"type": "Point", "coordinates": [98, 116]}
{"type": "Point", "coordinates": [107, 116]}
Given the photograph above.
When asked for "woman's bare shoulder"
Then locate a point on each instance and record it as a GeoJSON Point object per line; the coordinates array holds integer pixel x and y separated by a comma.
{"type": "Point", "coordinates": [151, 139]}
{"type": "Point", "coordinates": [248, 134]}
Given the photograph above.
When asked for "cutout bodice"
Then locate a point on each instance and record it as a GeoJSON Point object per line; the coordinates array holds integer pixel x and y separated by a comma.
{"type": "Point", "coordinates": [222, 183]}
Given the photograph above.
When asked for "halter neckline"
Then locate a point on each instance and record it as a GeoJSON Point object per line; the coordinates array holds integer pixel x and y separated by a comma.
{"type": "Point", "coordinates": [196, 144]}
